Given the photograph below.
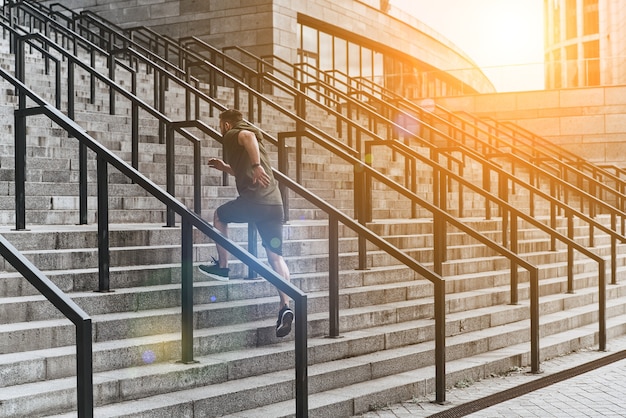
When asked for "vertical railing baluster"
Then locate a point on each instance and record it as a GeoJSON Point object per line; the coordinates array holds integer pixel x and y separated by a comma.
{"type": "Point", "coordinates": [20, 141]}
{"type": "Point", "coordinates": [103, 225]}
{"type": "Point", "coordinates": [84, 369]}
{"type": "Point", "coordinates": [170, 172]}
{"type": "Point", "coordinates": [333, 276]}
{"type": "Point", "coordinates": [187, 291]}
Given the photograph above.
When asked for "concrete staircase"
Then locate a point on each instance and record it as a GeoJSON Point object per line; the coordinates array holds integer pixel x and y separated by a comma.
{"type": "Point", "coordinates": [386, 350]}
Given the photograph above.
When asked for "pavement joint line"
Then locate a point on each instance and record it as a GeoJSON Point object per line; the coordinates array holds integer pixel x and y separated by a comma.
{"type": "Point", "coordinates": [583, 394]}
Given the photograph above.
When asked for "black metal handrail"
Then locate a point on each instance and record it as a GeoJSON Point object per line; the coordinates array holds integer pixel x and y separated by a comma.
{"type": "Point", "coordinates": [82, 322]}
{"type": "Point", "coordinates": [346, 98]}
{"type": "Point", "coordinates": [552, 150]}
{"type": "Point", "coordinates": [504, 206]}
{"type": "Point", "coordinates": [440, 306]}
{"type": "Point", "coordinates": [137, 103]}
{"type": "Point", "coordinates": [240, 86]}
{"type": "Point", "coordinates": [301, 121]}
{"type": "Point", "coordinates": [493, 145]}
{"type": "Point", "coordinates": [554, 180]}
{"type": "Point", "coordinates": [570, 168]}
{"type": "Point", "coordinates": [189, 221]}
{"type": "Point", "coordinates": [541, 151]}
{"type": "Point", "coordinates": [533, 191]}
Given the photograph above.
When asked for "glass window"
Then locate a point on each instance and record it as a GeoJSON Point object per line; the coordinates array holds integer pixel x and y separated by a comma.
{"type": "Point", "coordinates": [570, 19]}
{"type": "Point", "coordinates": [341, 55]}
{"type": "Point", "coordinates": [403, 75]}
{"type": "Point", "coordinates": [572, 65]}
{"type": "Point", "coordinates": [367, 69]}
{"type": "Point", "coordinates": [354, 56]}
{"type": "Point", "coordinates": [309, 40]}
{"type": "Point", "coordinates": [326, 52]}
{"type": "Point", "coordinates": [556, 23]}
{"type": "Point", "coordinates": [558, 68]}
{"type": "Point", "coordinates": [379, 68]}
{"type": "Point", "coordinates": [592, 63]}
{"type": "Point", "coordinates": [591, 25]}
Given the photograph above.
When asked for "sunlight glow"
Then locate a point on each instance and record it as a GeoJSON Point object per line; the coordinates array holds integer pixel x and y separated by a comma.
{"type": "Point", "coordinates": [503, 37]}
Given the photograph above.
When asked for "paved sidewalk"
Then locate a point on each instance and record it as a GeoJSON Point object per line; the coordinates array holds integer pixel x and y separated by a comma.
{"type": "Point", "coordinates": [598, 393]}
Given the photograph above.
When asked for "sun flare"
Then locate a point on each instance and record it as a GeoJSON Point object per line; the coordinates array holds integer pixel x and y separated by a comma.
{"type": "Point", "coordinates": [496, 34]}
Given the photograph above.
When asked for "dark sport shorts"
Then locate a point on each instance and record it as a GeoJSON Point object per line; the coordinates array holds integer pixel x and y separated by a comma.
{"type": "Point", "coordinates": [267, 218]}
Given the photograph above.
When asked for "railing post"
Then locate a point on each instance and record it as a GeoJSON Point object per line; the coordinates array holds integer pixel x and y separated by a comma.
{"type": "Point", "coordinates": [283, 167]}
{"type": "Point", "coordinates": [135, 125]}
{"type": "Point", "coordinates": [111, 62]}
{"type": "Point", "coordinates": [534, 320]}
{"type": "Point", "coordinates": [514, 248]}
{"type": "Point", "coordinates": [252, 247]}
{"type": "Point", "coordinates": [367, 197]}
{"type": "Point", "coordinates": [361, 209]}
{"type": "Point", "coordinates": [602, 305]}
{"type": "Point", "coordinates": [440, 341]}
{"type": "Point", "coordinates": [170, 172]}
{"type": "Point", "coordinates": [503, 194]}
{"type": "Point", "coordinates": [441, 226]}
{"type": "Point", "coordinates": [84, 369]}
{"type": "Point", "coordinates": [160, 80]}
{"type": "Point", "coordinates": [333, 276]}
{"type": "Point", "coordinates": [82, 149]}
{"type": "Point", "coordinates": [413, 164]}
{"type": "Point", "coordinates": [613, 251]}
{"type": "Point", "coordinates": [20, 167]}
{"type": "Point", "coordinates": [570, 252]}
{"type": "Point", "coordinates": [461, 203]}
{"type": "Point", "coordinates": [20, 141]}
{"type": "Point", "coordinates": [197, 177]}
{"type": "Point", "coordinates": [553, 211]}
{"type": "Point", "coordinates": [438, 250]}
{"type": "Point", "coordinates": [302, 390]}
{"type": "Point", "coordinates": [187, 292]}
{"type": "Point", "coordinates": [103, 225]}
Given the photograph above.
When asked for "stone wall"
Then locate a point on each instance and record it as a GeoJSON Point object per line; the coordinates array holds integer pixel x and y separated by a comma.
{"type": "Point", "coordinates": [590, 122]}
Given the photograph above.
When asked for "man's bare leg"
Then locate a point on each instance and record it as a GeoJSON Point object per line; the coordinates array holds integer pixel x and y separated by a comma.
{"type": "Point", "coordinates": [280, 267]}
{"type": "Point", "coordinates": [222, 254]}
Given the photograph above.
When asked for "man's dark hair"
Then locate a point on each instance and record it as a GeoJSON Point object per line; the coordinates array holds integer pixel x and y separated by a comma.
{"type": "Point", "coordinates": [231, 115]}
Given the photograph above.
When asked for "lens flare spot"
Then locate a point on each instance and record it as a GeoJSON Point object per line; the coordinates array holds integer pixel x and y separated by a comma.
{"type": "Point", "coordinates": [275, 242]}
{"type": "Point", "coordinates": [369, 158]}
{"type": "Point", "coordinates": [148, 357]}
{"type": "Point", "coordinates": [213, 298]}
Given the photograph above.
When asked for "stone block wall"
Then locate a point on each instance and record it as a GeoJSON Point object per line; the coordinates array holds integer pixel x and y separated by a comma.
{"type": "Point", "coordinates": [590, 122]}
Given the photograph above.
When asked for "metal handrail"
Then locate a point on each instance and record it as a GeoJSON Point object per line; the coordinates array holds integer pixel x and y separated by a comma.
{"type": "Point", "coordinates": [485, 163]}
{"type": "Point", "coordinates": [189, 220]}
{"type": "Point", "coordinates": [487, 147]}
{"type": "Point", "coordinates": [555, 203]}
{"type": "Point", "coordinates": [298, 120]}
{"type": "Point", "coordinates": [441, 327]}
{"type": "Point", "coordinates": [82, 322]}
{"type": "Point", "coordinates": [252, 93]}
{"type": "Point", "coordinates": [386, 97]}
{"type": "Point", "coordinates": [136, 103]}
{"type": "Point", "coordinates": [573, 166]}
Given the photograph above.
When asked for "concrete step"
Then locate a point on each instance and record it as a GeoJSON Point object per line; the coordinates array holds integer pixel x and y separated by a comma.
{"type": "Point", "coordinates": [391, 363]}
{"type": "Point", "coordinates": [386, 310]}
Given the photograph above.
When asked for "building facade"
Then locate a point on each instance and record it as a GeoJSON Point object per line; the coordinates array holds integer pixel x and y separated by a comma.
{"type": "Point", "coordinates": [585, 43]}
{"type": "Point", "coordinates": [366, 39]}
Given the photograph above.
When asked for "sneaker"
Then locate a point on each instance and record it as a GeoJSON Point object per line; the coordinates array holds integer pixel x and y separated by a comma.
{"type": "Point", "coordinates": [285, 318]}
{"type": "Point", "coordinates": [214, 271]}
